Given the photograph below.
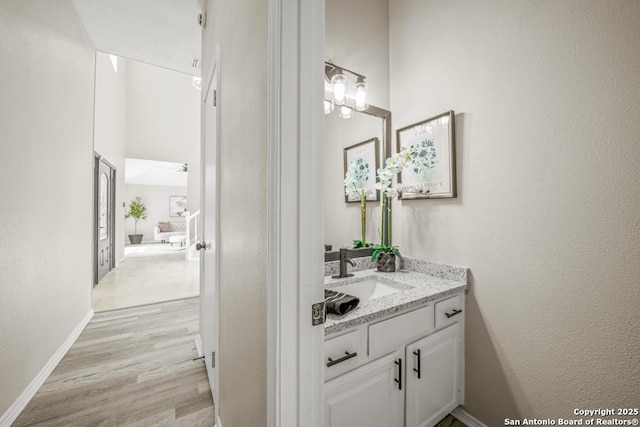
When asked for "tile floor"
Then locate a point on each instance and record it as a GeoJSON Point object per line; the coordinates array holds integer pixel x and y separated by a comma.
{"type": "Point", "coordinates": [149, 273]}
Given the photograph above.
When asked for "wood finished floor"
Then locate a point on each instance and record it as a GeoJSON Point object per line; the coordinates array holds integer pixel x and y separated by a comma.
{"type": "Point", "coordinates": [133, 367]}
{"type": "Point", "coordinates": [450, 421]}
{"type": "Point", "coordinates": [130, 367]}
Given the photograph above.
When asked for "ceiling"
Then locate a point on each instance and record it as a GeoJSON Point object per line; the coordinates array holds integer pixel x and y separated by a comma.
{"type": "Point", "coordinates": [153, 172]}
{"type": "Point", "coordinates": [165, 33]}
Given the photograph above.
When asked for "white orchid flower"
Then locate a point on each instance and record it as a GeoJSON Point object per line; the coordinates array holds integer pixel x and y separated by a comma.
{"type": "Point", "coordinates": [391, 192]}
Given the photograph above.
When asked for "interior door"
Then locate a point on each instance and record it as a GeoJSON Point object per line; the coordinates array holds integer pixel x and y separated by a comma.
{"type": "Point", "coordinates": [209, 226]}
{"type": "Point", "coordinates": [104, 209]}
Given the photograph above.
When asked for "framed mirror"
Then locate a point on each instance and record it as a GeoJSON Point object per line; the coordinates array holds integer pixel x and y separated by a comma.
{"type": "Point", "coordinates": [342, 220]}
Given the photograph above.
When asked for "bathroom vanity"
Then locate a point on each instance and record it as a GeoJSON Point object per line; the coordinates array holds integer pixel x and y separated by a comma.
{"type": "Point", "coordinates": [398, 359]}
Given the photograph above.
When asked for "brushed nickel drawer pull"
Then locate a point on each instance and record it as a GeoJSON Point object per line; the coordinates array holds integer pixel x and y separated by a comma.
{"type": "Point", "coordinates": [453, 313]}
{"type": "Point", "coordinates": [348, 356]}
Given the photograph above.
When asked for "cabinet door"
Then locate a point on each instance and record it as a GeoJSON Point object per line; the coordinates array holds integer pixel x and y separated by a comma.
{"type": "Point", "coordinates": [435, 393]}
{"type": "Point", "coordinates": [370, 396]}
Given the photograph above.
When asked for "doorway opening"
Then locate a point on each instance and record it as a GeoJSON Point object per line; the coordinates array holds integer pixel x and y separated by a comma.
{"type": "Point", "coordinates": [147, 126]}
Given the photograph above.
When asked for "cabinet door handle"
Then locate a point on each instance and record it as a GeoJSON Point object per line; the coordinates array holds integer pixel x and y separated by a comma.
{"type": "Point", "coordinates": [399, 379]}
{"type": "Point", "coordinates": [331, 362]}
{"type": "Point", "coordinates": [417, 353]}
{"type": "Point", "coordinates": [453, 313]}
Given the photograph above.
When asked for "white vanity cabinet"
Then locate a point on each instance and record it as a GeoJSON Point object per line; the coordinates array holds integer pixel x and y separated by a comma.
{"type": "Point", "coordinates": [408, 372]}
{"type": "Point", "coordinates": [367, 396]}
{"type": "Point", "coordinates": [433, 376]}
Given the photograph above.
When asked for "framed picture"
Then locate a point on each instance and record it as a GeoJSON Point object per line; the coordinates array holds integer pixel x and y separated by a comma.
{"type": "Point", "coordinates": [432, 173]}
{"type": "Point", "coordinates": [177, 205]}
{"type": "Point", "coordinates": [362, 161]}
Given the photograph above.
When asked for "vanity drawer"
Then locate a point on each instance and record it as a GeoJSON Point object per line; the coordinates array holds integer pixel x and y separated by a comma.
{"type": "Point", "coordinates": [448, 311]}
{"type": "Point", "coordinates": [344, 352]}
{"type": "Point", "coordinates": [390, 334]}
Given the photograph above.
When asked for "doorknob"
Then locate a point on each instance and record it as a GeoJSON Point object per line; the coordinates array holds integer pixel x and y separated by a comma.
{"type": "Point", "coordinates": [201, 246]}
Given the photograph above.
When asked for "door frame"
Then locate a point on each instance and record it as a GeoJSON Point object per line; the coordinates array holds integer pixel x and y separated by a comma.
{"type": "Point", "coordinates": [97, 158]}
{"type": "Point", "coordinates": [295, 212]}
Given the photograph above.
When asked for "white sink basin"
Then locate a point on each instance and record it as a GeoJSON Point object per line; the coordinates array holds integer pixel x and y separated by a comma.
{"type": "Point", "coordinates": [370, 288]}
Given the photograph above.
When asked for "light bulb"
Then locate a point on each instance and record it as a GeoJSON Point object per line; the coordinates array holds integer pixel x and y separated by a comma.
{"type": "Point", "coordinates": [361, 95]}
{"type": "Point", "coordinates": [345, 112]}
{"type": "Point", "coordinates": [339, 82]}
{"type": "Point", "coordinates": [328, 107]}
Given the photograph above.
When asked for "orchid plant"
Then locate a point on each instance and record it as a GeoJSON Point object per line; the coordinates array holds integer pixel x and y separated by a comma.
{"type": "Point", "coordinates": [420, 157]}
{"type": "Point", "coordinates": [354, 183]}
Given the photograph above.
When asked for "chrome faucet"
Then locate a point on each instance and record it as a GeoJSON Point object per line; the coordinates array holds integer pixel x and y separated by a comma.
{"type": "Point", "coordinates": [343, 264]}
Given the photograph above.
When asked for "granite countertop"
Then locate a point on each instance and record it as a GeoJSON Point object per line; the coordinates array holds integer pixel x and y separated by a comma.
{"type": "Point", "coordinates": [424, 281]}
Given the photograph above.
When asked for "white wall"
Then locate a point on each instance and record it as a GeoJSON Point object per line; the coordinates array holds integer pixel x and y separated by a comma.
{"type": "Point", "coordinates": [46, 185]}
{"type": "Point", "coordinates": [356, 37]}
{"type": "Point", "coordinates": [156, 198]}
{"type": "Point", "coordinates": [241, 30]}
{"type": "Point", "coordinates": [548, 212]}
{"type": "Point", "coordinates": [163, 120]}
{"type": "Point", "coordinates": [110, 130]}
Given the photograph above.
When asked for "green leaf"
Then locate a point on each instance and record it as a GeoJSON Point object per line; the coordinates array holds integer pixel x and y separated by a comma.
{"type": "Point", "coordinates": [137, 210]}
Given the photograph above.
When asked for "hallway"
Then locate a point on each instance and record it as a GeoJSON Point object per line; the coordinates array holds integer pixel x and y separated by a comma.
{"type": "Point", "coordinates": [130, 367]}
{"type": "Point", "coordinates": [150, 273]}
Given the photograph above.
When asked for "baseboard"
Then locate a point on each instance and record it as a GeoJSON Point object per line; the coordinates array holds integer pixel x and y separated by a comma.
{"type": "Point", "coordinates": [199, 346]}
{"type": "Point", "coordinates": [467, 418]}
{"type": "Point", "coordinates": [21, 402]}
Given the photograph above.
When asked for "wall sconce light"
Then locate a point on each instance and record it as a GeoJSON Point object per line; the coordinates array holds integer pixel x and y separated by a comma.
{"type": "Point", "coordinates": [345, 112]}
{"type": "Point", "coordinates": [339, 82]}
{"type": "Point", "coordinates": [328, 107]}
{"type": "Point", "coordinates": [337, 90]}
{"type": "Point", "coordinates": [361, 90]}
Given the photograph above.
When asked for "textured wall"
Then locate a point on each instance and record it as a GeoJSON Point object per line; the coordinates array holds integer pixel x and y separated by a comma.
{"type": "Point", "coordinates": [240, 27]}
{"type": "Point", "coordinates": [356, 37]}
{"type": "Point", "coordinates": [46, 185]}
{"type": "Point", "coordinates": [548, 213]}
{"type": "Point", "coordinates": [110, 130]}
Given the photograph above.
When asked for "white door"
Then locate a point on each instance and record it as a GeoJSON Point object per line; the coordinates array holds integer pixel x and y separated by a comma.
{"type": "Point", "coordinates": [433, 377]}
{"type": "Point", "coordinates": [370, 396]}
{"type": "Point", "coordinates": [209, 226]}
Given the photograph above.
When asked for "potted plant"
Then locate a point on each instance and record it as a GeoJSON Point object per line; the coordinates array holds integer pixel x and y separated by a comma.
{"type": "Point", "coordinates": [386, 257]}
{"type": "Point", "coordinates": [385, 253]}
{"type": "Point", "coordinates": [137, 211]}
